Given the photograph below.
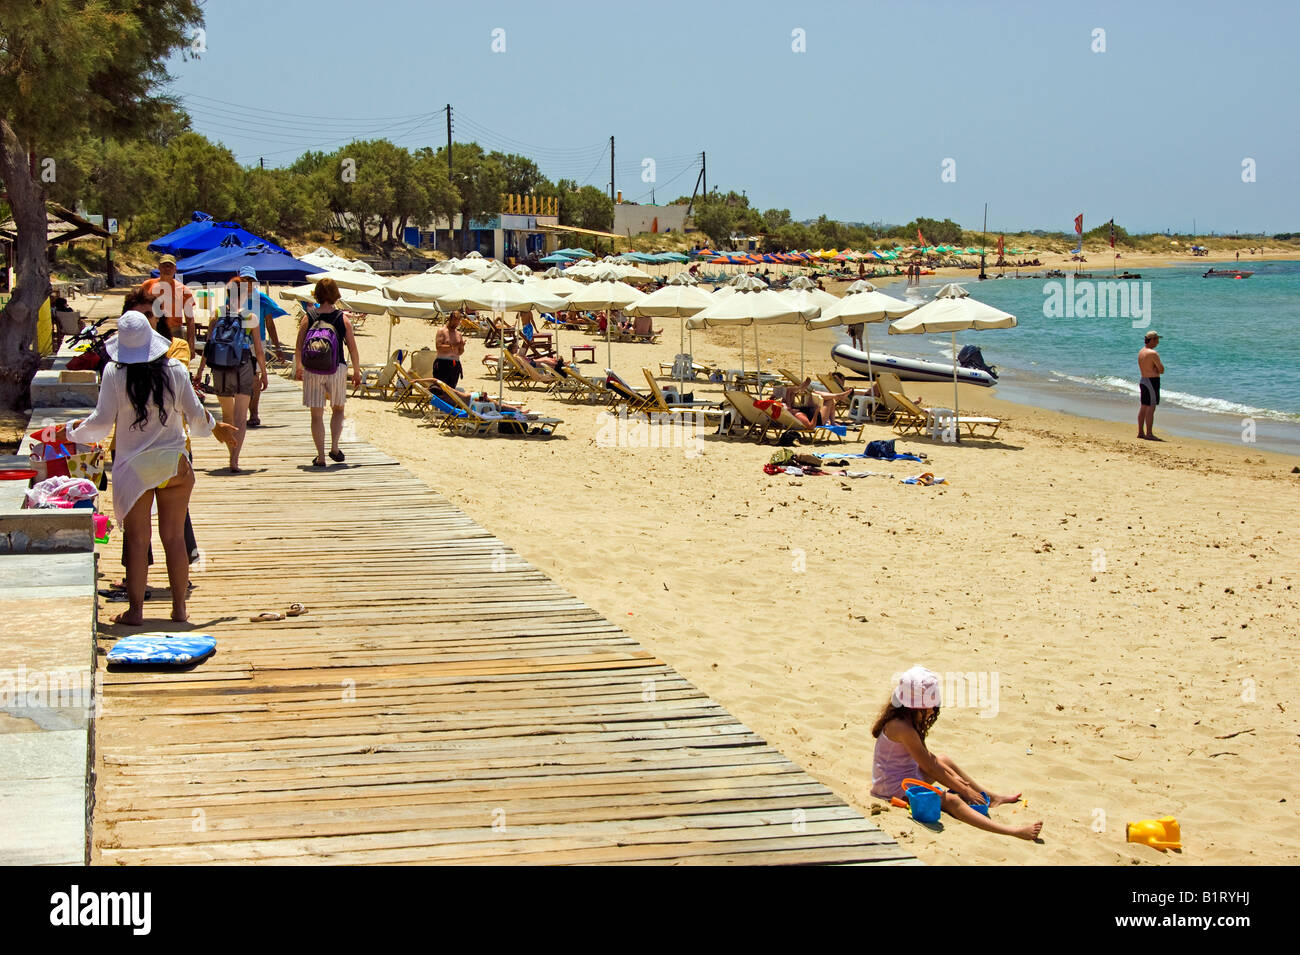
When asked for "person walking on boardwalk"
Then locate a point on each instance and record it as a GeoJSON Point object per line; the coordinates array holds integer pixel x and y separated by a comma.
{"type": "Point", "coordinates": [173, 302]}
{"type": "Point", "coordinates": [258, 311]}
{"type": "Point", "coordinates": [148, 397]}
{"type": "Point", "coordinates": [319, 363]}
{"type": "Point", "coordinates": [234, 352]}
{"type": "Point", "coordinates": [1151, 367]}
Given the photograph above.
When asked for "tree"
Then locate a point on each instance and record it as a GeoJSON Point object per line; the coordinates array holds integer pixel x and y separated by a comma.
{"type": "Point", "coordinates": [479, 181]}
{"type": "Point", "coordinates": [69, 68]}
{"type": "Point", "coordinates": [586, 207]}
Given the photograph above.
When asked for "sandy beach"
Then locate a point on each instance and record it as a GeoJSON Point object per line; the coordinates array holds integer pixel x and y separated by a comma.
{"type": "Point", "coordinates": [1124, 613]}
{"type": "Point", "coordinates": [1115, 620]}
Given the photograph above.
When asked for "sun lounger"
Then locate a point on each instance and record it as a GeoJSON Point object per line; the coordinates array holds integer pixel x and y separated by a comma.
{"type": "Point", "coordinates": [625, 394]}
{"type": "Point", "coordinates": [377, 384]}
{"type": "Point", "coordinates": [465, 420]}
{"type": "Point", "coordinates": [583, 387]}
{"type": "Point", "coordinates": [931, 419]}
{"type": "Point", "coordinates": [701, 410]}
{"type": "Point", "coordinates": [529, 375]}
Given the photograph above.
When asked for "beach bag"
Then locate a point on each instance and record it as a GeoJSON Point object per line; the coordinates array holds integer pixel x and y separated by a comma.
{"type": "Point", "coordinates": [70, 459]}
{"type": "Point", "coordinates": [320, 350]}
{"type": "Point", "coordinates": [884, 450]}
{"type": "Point", "coordinates": [225, 345]}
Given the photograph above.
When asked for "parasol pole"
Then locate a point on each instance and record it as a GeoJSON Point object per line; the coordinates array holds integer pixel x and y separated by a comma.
{"type": "Point", "coordinates": [956, 410]}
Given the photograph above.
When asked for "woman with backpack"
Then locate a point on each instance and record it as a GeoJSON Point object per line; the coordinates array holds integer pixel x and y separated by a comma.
{"type": "Point", "coordinates": [149, 398]}
{"type": "Point", "coordinates": [238, 364]}
{"type": "Point", "coordinates": [319, 363]}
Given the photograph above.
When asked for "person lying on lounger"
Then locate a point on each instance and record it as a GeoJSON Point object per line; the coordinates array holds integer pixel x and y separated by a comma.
{"type": "Point", "coordinates": [901, 753]}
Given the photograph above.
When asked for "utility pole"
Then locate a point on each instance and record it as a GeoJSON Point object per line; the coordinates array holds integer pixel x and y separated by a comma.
{"type": "Point", "coordinates": [611, 169]}
{"type": "Point", "coordinates": [704, 171]}
{"type": "Point", "coordinates": [449, 179]}
{"type": "Point", "coordinates": [261, 162]}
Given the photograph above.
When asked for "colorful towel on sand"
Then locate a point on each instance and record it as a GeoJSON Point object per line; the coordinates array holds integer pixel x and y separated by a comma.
{"type": "Point", "coordinates": [174, 649]}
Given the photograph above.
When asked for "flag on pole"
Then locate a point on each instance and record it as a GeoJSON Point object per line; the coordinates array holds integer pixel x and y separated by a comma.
{"type": "Point", "coordinates": [1078, 223]}
{"type": "Point", "coordinates": [999, 247]}
{"type": "Point", "coordinates": [920, 238]}
{"type": "Point", "coordinates": [1112, 232]}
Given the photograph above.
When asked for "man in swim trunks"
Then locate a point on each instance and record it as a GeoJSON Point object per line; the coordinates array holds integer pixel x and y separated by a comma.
{"type": "Point", "coordinates": [450, 345]}
{"type": "Point", "coordinates": [1152, 368]}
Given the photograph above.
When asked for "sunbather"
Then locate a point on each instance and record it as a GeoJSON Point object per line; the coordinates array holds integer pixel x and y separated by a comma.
{"type": "Point", "coordinates": [901, 753]}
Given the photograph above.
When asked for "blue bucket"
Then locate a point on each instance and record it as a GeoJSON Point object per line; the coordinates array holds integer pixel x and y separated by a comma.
{"type": "Point", "coordinates": [982, 808]}
{"type": "Point", "coordinates": [926, 804]}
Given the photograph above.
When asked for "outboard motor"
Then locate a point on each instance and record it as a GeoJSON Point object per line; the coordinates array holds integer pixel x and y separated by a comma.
{"type": "Point", "coordinates": [970, 356]}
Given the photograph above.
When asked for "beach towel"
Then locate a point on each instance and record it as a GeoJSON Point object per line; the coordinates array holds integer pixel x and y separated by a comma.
{"type": "Point", "coordinates": [924, 480]}
{"type": "Point", "coordinates": [174, 649]}
{"type": "Point", "coordinates": [60, 492]}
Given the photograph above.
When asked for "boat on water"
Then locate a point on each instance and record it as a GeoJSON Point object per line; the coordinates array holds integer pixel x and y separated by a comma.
{"type": "Point", "coordinates": [1227, 274]}
{"type": "Point", "coordinates": [1129, 275]}
{"type": "Point", "coordinates": [908, 369]}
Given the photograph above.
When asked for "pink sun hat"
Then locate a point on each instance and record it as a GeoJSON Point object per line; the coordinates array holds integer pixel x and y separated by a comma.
{"type": "Point", "coordinates": [917, 689]}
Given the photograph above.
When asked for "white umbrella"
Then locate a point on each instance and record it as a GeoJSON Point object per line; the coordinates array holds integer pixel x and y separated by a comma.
{"type": "Point", "coordinates": [375, 302]}
{"type": "Point", "coordinates": [606, 293]}
{"type": "Point", "coordinates": [345, 278]}
{"type": "Point", "coordinates": [862, 304]}
{"type": "Point", "coordinates": [500, 296]}
{"type": "Point", "coordinates": [427, 286]}
{"type": "Point", "coordinates": [446, 266]}
{"type": "Point", "coordinates": [804, 292]}
{"type": "Point", "coordinates": [679, 301]}
{"type": "Point", "coordinates": [300, 293]}
{"type": "Point", "coordinates": [952, 310]}
{"type": "Point", "coordinates": [761, 306]}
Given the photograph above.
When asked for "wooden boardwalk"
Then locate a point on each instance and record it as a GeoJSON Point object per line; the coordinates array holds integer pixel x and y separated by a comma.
{"type": "Point", "coordinates": [442, 701]}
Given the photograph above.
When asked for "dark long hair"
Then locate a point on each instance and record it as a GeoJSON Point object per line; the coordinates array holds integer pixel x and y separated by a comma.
{"type": "Point", "coordinates": [919, 722]}
{"type": "Point", "coordinates": [145, 380]}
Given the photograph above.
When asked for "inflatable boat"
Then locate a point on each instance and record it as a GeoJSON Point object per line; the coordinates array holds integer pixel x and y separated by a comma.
{"type": "Point", "coordinates": [908, 369]}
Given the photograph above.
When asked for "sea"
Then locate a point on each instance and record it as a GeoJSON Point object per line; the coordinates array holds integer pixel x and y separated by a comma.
{"type": "Point", "coordinates": [1231, 347]}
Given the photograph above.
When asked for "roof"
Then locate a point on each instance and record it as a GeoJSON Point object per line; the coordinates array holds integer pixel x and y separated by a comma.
{"type": "Point", "coordinates": [574, 228]}
{"type": "Point", "coordinates": [62, 225]}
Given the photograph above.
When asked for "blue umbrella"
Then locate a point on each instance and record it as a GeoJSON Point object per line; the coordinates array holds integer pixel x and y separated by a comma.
{"type": "Point", "coordinates": [275, 267]}
{"type": "Point", "coordinates": [199, 221]}
{"type": "Point", "coordinates": [204, 235]}
{"type": "Point", "coordinates": [228, 247]}
{"type": "Point", "coordinates": [556, 258]}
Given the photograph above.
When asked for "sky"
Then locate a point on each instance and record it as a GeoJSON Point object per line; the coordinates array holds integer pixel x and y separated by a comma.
{"type": "Point", "coordinates": [865, 111]}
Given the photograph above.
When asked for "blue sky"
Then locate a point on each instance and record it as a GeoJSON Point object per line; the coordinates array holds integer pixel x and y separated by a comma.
{"type": "Point", "coordinates": [1153, 131]}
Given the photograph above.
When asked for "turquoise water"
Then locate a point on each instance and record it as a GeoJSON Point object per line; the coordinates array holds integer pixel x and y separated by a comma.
{"type": "Point", "coordinates": [1229, 345]}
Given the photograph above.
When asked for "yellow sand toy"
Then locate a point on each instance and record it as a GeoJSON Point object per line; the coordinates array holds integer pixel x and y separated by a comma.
{"type": "Point", "coordinates": [1162, 833]}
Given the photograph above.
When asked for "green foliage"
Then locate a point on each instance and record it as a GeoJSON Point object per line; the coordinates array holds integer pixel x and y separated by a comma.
{"type": "Point", "coordinates": [946, 232]}
{"type": "Point", "coordinates": [1102, 234]}
{"type": "Point", "coordinates": [72, 66]}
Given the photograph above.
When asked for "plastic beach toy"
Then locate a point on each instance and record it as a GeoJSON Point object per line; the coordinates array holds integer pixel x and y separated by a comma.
{"type": "Point", "coordinates": [1162, 833]}
{"type": "Point", "coordinates": [924, 800]}
{"type": "Point", "coordinates": [102, 526]}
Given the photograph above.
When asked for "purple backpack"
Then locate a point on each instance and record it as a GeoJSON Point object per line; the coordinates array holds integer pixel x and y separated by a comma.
{"type": "Point", "coordinates": [321, 350]}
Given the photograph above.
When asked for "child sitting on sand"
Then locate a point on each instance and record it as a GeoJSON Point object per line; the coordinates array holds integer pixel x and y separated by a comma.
{"type": "Point", "coordinates": [901, 753]}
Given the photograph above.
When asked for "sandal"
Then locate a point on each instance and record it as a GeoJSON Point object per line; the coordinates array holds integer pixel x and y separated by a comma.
{"type": "Point", "coordinates": [267, 617]}
{"type": "Point", "coordinates": [317, 463]}
{"type": "Point", "coordinates": [295, 610]}
{"type": "Point", "coordinates": [336, 455]}
{"type": "Point", "coordinates": [254, 422]}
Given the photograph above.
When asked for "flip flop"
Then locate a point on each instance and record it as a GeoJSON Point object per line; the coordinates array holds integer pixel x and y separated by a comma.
{"type": "Point", "coordinates": [295, 610]}
{"type": "Point", "coordinates": [336, 455]}
{"type": "Point", "coordinates": [267, 617]}
{"type": "Point", "coordinates": [115, 595]}
{"type": "Point", "coordinates": [317, 463]}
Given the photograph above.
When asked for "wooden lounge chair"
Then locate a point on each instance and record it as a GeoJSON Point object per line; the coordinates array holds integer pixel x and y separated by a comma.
{"type": "Point", "coordinates": [625, 394]}
{"type": "Point", "coordinates": [528, 375]}
{"type": "Point", "coordinates": [584, 387]}
{"type": "Point", "coordinates": [930, 419]}
{"type": "Point", "coordinates": [377, 384]}
{"type": "Point", "coordinates": [421, 363]}
{"type": "Point", "coordinates": [472, 422]}
{"type": "Point", "coordinates": [754, 422]}
{"type": "Point", "coordinates": [702, 410]}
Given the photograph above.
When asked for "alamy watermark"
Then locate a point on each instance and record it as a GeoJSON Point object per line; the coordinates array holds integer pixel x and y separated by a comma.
{"type": "Point", "coordinates": [1089, 298]}
{"type": "Point", "coordinates": [974, 690]}
{"type": "Point", "coordinates": [653, 430]}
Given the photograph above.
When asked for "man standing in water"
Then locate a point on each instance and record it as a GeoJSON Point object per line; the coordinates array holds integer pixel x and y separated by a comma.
{"type": "Point", "coordinates": [1151, 367]}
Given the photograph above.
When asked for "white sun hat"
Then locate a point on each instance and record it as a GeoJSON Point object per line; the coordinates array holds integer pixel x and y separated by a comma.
{"type": "Point", "coordinates": [917, 689]}
{"type": "Point", "coordinates": [135, 341]}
